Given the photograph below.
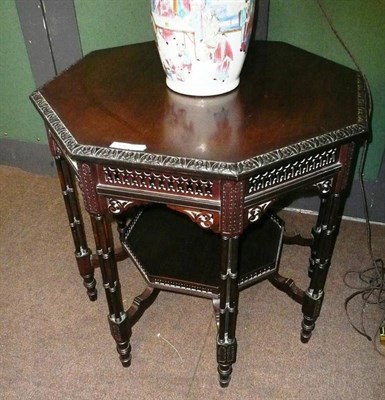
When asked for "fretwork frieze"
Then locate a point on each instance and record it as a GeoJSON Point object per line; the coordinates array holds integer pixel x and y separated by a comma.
{"type": "Point", "coordinates": [158, 182]}
{"type": "Point", "coordinates": [292, 170]}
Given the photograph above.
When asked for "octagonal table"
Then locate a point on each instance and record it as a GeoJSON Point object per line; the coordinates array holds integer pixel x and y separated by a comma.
{"type": "Point", "coordinates": [294, 122]}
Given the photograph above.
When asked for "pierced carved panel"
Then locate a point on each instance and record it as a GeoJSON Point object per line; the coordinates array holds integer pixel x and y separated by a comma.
{"type": "Point", "coordinates": [292, 170]}
{"type": "Point", "coordinates": [158, 182]}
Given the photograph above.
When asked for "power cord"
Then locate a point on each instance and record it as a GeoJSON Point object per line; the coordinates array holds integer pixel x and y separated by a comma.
{"type": "Point", "coordinates": [372, 289]}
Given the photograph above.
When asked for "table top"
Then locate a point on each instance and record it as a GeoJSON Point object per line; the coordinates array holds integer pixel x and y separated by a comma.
{"type": "Point", "coordinates": [289, 102]}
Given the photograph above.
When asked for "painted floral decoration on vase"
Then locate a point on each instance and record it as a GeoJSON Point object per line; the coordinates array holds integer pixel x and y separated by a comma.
{"type": "Point", "coordinates": [202, 43]}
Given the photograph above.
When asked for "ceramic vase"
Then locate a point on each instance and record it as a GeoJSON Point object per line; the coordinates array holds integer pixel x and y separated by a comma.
{"type": "Point", "coordinates": [202, 43]}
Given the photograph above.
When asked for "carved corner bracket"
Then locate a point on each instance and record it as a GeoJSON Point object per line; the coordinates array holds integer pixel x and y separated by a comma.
{"type": "Point", "coordinates": [205, 219]}
{"type": "Point", "coordinates": [324, 187]}
{"type": "Point", "coordinates": [255, 213]}
{"type": "Point", "coordinates": [202, 218]}
{"type": "Point", "coordinates": [118, 206]}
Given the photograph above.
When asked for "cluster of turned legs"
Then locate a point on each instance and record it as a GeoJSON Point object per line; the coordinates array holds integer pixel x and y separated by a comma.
{"type": "Point", "coordinates": [121, 320]}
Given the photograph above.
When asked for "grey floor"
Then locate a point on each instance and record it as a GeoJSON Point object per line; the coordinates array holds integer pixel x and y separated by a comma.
{"type": "Point", "coordinates": [55, 344]}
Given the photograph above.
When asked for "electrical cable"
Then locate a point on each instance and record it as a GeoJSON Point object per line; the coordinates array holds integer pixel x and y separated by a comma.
{"type": "Point", "coordinates": [372, 291]}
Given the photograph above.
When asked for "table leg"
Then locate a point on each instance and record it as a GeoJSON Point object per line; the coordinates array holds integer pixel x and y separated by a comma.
{"type": "Point", "coordinates": [119, 322]}
{"type": "Point", "coordinates": [228, 309]}
{"type": "Point", "coordinates": [324, 234]}
{"type": "Point", "coordinates": [82, 252]}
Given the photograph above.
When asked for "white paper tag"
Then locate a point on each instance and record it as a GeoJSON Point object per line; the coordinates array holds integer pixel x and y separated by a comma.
{"type": "Point", "coordinates": [128, 146]}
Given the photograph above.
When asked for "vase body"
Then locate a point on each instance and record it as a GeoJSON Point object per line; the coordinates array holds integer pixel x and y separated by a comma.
{"type": "Point", "coordinates": [202, 43]}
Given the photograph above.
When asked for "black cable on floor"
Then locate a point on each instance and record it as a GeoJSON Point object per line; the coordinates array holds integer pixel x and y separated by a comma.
{"type": "Point", "coordinates": [372, 290]}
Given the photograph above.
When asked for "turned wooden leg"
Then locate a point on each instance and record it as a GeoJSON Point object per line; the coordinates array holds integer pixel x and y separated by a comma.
{"type": "Point", "coordinates": [82, 252]}
{"type": "Point", "coordinates": [216, 308]}
{"type": "Point", "coordinates": [120, 253]}
{"type": "Point", "coordinates": [324, 234]}
{"type": "Point", "coordinates": [228, 309]}
{"type": "Point", "coordinates": [119, 322]}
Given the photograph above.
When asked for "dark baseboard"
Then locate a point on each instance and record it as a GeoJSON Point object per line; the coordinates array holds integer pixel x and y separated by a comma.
{"type": "Point", "coordinates": [31, 157]}
{"type": "Point", "coordinates": [36, 158]}
{"type": "Point", "coordinates": [354, 207]}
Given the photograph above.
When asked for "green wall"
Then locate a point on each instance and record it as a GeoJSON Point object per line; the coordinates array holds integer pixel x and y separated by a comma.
{"type": "Point", "coordinates": [361, 25]}
{"type": "Point", "coordinates": [110, 23]}
{"type": "Point", "coordinates": [102, 23]}
{"type": "Point", "coordinates": [18, 118]}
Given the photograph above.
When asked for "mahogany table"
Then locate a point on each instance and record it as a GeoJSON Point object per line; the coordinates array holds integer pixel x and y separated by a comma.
{"type": "Point", "coordinates": [294, 122]}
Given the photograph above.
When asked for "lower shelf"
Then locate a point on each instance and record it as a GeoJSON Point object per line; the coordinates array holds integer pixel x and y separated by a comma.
{"type": "Point", "coordinates": [173, 253]}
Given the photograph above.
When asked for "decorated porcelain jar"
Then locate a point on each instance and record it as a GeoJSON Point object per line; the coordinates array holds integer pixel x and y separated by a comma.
{"type": "Point", "coordinates": [202, 43]}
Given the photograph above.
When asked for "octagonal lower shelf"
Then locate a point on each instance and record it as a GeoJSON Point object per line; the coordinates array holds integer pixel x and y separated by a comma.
{"type": "Point", "coordinates": [175, 254]}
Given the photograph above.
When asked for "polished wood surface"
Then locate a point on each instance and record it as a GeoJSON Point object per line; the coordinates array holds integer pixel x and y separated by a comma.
{"type": "Point", "coordinates": [286, 96]}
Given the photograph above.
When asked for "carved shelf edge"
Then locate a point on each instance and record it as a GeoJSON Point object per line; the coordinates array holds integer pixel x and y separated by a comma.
{"type": "Point", "coordinates": [207, 166]}
{"type": "Point", "coordinates": [200, 261]}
